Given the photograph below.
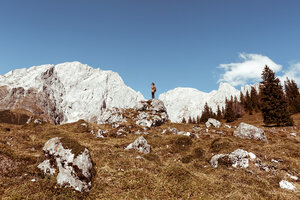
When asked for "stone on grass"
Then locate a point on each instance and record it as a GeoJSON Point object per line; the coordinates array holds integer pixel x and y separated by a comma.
{"type": "Point", "coordinates": [239, 158]}
{"type": "Point", "coordinates": [250, 132]}
{"type": "Point", "coordinates": [214, 122]}
{"type": "Point", "coordinates": [293, 134]}
{"type": "Point", "coordinates": [286, 185]}
{"type": "Point", "coordinates": [140, 144]}
{"type": "Point", "coordinates": [73, 166]}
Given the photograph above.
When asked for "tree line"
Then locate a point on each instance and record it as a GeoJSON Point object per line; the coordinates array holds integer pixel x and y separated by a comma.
{"type": "Point", "coordinates": [275, 102]}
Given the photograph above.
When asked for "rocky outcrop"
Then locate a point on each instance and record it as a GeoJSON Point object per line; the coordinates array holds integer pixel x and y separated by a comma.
{"type": "Point", "coordinates": [250, 132]}
{"type": "Point", "coordinates": [213, 122]}
{"type": "Point", "coordinates": [151, 113]}
{"type": "Point", "coordinates": [140, 144]}
{"type": "Point", "coordinates": [70, 161]}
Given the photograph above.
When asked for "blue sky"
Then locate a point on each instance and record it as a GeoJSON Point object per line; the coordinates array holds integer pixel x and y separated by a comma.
{"type": "Point", "coordinates": [172, 43]}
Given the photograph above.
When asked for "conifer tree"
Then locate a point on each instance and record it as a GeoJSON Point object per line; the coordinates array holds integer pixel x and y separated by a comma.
{"type": "Point", "coordinates": [219, 113]}
{"type": "Point", "coordinates": [190, 120]}
{"type": "Point", "coordinates": [242, 98]}
{"type": "Point", "coordinates": [198, 119]}
{"type": "Point", "coordinates": [183, 121]}
{"type": "Point", "coordinates": [205, 114]}
{"type": "Point", "coordinates": [248, 103]}
{"type": "Point", "coordinates": [254, 99]}
{"type": "Point", "coordinates": [274, 105]}
{"type": "Point", "coordinates": [293, 96]}
{"type": "Point", "coordinates": [229, 113]}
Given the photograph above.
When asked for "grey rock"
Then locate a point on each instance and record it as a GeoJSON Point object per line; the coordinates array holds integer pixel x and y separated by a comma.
{"type": "Point", "coordinates": [239, 158]}
{"type": "Point", "coordinates": [140, 144]}
{"type": "Point", "coordinates": [73, 170]}
{"type": "Point", "coordinates": [250, 132]}
{"type": "Point", "coordinates": [158, 106]}
{"type": "Point", "coordinates": [213, 122]}
{"type": "Point", "coordinates": [286, 185]}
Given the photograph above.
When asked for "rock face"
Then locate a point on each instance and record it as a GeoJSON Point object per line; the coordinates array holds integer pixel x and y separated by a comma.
{"type": "Point", "coordinates": [213, 122]}
{"type": "Point", "coordinates": [238, 159]}
{"type": "Point", "coordinates": [140, 144]}
{"type": "Point", "coordinates": [189, 102]}
{"type": "Point", "coordinates": [66, 92]}
{"type": "Point", "coordinates": [73, 169]}
{"type": "Point", "coordinates": [250, 132]}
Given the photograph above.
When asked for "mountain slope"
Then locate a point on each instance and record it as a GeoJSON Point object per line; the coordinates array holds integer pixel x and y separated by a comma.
{"type": "Point", "coordinates": [65, 92]}
{"type": "Point", "coordinates": [185, 102]}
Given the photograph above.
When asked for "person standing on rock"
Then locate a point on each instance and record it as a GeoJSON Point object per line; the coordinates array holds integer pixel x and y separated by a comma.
{"type": "Point", "coordinates": [153, 90]}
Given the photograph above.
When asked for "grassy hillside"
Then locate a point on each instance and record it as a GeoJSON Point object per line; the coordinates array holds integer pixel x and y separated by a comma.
{"type": "Point", "coordinates": [177, 168]}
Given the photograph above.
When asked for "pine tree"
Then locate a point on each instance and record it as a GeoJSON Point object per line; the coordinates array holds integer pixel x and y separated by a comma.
{"type": "Point", "coordinates": [242, 98]}
{"type": "Point", "coordinates": [219, 113]}
{"type": "Point", "coordinates": [190, 120]}
{"type": "Point", "coordinates": [205, 114]}
{"type": "Point", "coordinates": [254, 99]}
{"type": "Point", "coordinates": [248, 103]}
{"type": "Point", "coordinates": [183, 121]}
{"type": "Point", "coordinates": [229, 113]}
{"type": "Point", "coordinates": [198, 119]}
{"type": "Point", "coordinates": [293, 95]}
{"type": "Point", "coordinates": [274, 105]}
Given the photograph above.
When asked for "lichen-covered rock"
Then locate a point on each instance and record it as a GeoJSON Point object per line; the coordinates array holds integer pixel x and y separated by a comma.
{"type": "Point", "coordinates": [100, 133]}
{"type": "Point", "coordinates": [286, 185]}
{"type": "Point", "coordinates": [250, 132]}
{"type": "Point", "coordinates": [73, 166]}
{"type": "Point", "coordinates": [213, 122]}
{"type": "Point", "coordinates": [140, 144]}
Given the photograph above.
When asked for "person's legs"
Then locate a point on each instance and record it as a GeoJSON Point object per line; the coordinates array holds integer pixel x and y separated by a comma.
{"type": "Point", "coordinates": [152, 95]}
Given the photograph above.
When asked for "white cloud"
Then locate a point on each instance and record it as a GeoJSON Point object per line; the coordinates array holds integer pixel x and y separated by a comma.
{"type": "Point", "coordinates": [248, 70]}
{"type": "Point", "coordinates": [293, 72]}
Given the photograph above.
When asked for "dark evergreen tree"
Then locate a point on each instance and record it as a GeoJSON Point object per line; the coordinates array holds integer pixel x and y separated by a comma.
{"type": "Point", "coordinates": [237, 108]}
{"type": "Point", "coordinates": [242, 99]}
{"type": "Point", "coordinates": [229, 113]}
{"type": "Point", "coordinates": [292, 95]}
{"type": "Point", "coordinates": [205, 114]}
{"type": "Point", "coordinates": [248, 103]}
{"type": "Point", "coordinates": [183, 121]}
{"type": "Point", "coordinates": [219, 114]}
{"type": "Point", "coordinates": [190, 120]}
{"type": "Point", "coordinates": [254, 99]}
{"type": "Point", "coordinates": [198, 119]}
{"type": "Point", "coordinates": [274, 105]}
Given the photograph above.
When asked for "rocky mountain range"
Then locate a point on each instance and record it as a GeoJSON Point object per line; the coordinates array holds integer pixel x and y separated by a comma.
{"type": "Point", "coordinates": [70, 91]}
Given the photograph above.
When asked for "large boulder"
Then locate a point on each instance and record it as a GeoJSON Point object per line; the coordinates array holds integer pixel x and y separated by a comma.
{"type": "Point", "coordinates": [70, 161]}
{"type": "Point", "coordinates": [151, 113]}
{"type": "Point", "coordinates": [250, 132]}
{"type": "Point", "coordinates": [140, 144]}
{"type": "Point", "coordinates": [214, 122]}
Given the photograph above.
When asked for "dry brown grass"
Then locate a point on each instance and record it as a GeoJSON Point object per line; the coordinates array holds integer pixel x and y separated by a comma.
{"type": "Point", "coordinates": [177, 168]}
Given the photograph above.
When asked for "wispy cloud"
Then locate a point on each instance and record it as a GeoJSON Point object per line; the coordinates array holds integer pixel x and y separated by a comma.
{"type": "Point", "coordinates": [248, 70]}
{"type": "Point", "coordinates": [293, 72]}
